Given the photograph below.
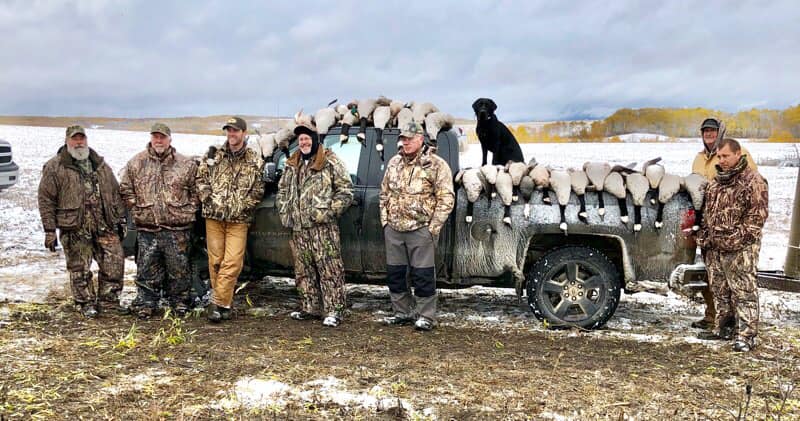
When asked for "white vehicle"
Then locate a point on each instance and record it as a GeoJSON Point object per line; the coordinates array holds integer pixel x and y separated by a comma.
{"type": "Point", "coordinates": [9, 171]}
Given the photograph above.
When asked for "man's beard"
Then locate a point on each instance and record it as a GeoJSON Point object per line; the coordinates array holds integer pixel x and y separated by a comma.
{"type": "Point", "coordinates": [79, 153]}
{"type": "Point", "coordinates": [160, 149]}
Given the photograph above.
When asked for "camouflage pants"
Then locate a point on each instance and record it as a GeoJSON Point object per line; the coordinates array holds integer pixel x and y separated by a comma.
{"type": "Point", "coordinates": [163, 268]}
{"type": "Point", "coordinates": [733, 281]}
{"type": "Point", "coordinates": [318, 268]}
{"type": "Point", "coordinates": [104, 247]}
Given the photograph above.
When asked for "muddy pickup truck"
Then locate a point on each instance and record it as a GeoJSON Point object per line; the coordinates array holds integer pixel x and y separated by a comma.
{"type": "Point", "coordinates": [572, 279]}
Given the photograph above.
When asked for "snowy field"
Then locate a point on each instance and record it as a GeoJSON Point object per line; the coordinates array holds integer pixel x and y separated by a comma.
{"type": "Point", "coordinates": [30, 273]}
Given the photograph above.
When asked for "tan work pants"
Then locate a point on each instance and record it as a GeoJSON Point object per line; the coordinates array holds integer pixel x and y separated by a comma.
{"type": "Point", "coordinates": [226, 244]}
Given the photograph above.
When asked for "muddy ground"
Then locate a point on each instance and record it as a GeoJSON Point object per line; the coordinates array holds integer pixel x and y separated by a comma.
{"type": "Point", "coordinates": [489, 359]}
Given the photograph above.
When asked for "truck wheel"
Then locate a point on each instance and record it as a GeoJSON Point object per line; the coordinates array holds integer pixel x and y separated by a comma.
{"type": "Point", "coordinates": [574, 286]}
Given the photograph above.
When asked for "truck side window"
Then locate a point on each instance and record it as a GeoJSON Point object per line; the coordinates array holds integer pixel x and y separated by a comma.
{"type": "Point", "coordinates": [349, 153]}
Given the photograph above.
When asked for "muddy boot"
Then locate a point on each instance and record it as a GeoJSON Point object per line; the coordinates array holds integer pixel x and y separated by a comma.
{"type": "Point", "coordinates": [181, 309]}
{"type": "Point", "coordinates": [331, 321]}
{"type": "Point", "coordinates": [146, 312]}
{"type": "Point", "coordinates": [213, 314]}
{"type": "Point", "coordinates": [89, 311]}
{"type": "Point", "coordinates": [303, 315]}
{"type": "Point", "coordinates": [423, 324]}
{"type": "Point", "coordinates": [226, 313]}
{"type": "Point", "coordinates": [704, 324]}
{"type": "Point", "coordinates": [743, 345]}
{"type": "Point", "coordinates": [398, 319]}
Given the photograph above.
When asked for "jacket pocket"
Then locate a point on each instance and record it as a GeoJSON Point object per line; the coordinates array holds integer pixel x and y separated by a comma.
{"type": "Point", "coordinates": [323, 214]}
{"type": "Point", "coordinates": [68, 218]}
{"type": "Point", "coordinates": [180, 214]}
{"type": "Point", "coordinates": [144, 215]}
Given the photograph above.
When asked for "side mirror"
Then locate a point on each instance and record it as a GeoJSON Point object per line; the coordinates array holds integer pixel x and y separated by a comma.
{"type": "Point", "coordinates": [270, 172]}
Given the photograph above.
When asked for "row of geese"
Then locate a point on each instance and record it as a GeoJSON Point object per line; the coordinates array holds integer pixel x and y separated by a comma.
{"type": "Point", "coordinates": [381, 113]}
{"type": "Point", "coordinates": [517, 179]}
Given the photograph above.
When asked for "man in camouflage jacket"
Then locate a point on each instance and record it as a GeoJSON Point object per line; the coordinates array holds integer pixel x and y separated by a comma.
{"type": "Point", "coordinates": [314, 191]}
{"type": "Point", "coordinates": [712, 131]}
{"type": "Point", "coordinates": [158, 187]}
{"type": "Point", "coordinates": [79, 196]}
{"type": "Point", "coordinates": [230, 186]}
{"type": "Point", "coordinates": [735, 209]}
{"type": "Point", "coordinates": [415, 200]}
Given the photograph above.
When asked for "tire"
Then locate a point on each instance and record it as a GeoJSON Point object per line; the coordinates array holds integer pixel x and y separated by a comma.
{"type": "Point", "coordinates": [574, 286]}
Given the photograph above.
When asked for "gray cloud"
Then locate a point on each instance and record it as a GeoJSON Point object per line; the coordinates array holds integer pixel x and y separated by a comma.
{"type": "Point", "coordinates": [538, 60]}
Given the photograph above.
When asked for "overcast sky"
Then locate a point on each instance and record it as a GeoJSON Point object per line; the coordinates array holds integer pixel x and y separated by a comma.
{"type": "Point", "coordinates": [537, 60]}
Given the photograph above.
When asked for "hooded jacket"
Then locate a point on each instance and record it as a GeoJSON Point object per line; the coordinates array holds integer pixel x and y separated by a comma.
{"type": "Point", "coordinates": [313, 193]}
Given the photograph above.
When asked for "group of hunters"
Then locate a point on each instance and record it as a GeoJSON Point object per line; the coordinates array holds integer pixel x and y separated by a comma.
{"type": "Point", "coordinates": [161, 190]}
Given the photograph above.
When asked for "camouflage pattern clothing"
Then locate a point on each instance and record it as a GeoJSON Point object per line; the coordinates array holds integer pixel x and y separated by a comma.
{"type": "Point", "coordinates": [312, 195]}
{"type": "Point", "coordinates": [416, 192]}
{"type": "Point", "coordinates": [229, 184]}
{"type": "Point", "coordinates": [163, 267]}
{"type": "Point", "coordinates": [315, 192]}
{"type": "Point", "coordinates": [318, 269]}
{"type": "Point", "coordinates": [415, 200]}
{"type": "Point", "coordinates": [160, 190]}
{"type": "Point", "coordinates": [735, 209]}
{"type": "Point", "coordinates": [63, 190]}
{"type": "Point", "coordinates": [81, 199]}
{"type": "Point", "coordinates": [732, 278]}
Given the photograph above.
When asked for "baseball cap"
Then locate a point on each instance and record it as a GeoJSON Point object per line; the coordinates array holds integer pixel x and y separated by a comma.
{"type": "Point", "coordinates": [411, 129]}
{"type": "Point", "coordinates": [161, 128]}
{"type": "Point", "coordinates": [236, 123]}
{"type": "Point", "coordinates": [710, 123]}
{"type": "Point", "coordinates": [75, 129]}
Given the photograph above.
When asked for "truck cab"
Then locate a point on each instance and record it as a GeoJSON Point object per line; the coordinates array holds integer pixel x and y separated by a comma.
{"type": "Point", "coordinates": [363, 250]}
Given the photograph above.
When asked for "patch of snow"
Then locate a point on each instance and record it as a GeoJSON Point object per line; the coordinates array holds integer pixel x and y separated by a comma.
{"type": "Point", "coordinates": [259, 393]}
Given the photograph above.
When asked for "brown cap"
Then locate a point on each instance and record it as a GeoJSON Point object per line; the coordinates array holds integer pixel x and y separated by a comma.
{"type": "Point", "coordinates": [236, 123]}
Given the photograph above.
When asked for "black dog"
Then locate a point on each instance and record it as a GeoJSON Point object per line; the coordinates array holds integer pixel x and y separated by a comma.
{"type": "Point", "coordinates": [494, 135]}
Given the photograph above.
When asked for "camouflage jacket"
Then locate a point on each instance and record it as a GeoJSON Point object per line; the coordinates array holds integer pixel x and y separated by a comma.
{"type": "Point", "coordinates": [62, 193]}
{"type": "Point", "coordinates": [705, 162]}
{"type": "Point", "coordinates": [313, 193]}
{"type": "Point", "coordinates": [734, 211]}
{"type": "Point", "coordinates": [160, 191]}
{"type": "Point", "coordinates": [416, 192]}
{"type": "Point", "coordinates": [230, 185]}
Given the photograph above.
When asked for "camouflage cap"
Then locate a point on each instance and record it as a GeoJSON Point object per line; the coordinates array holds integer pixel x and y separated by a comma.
{"type": "Point", "coordinates": [411, 129]}
{"type": "Point", "coordinates": [236, 123]}
{"type": "Point", "coordinates": [161, 128]}
{"type": "Point", "coordinates": [75, 129]}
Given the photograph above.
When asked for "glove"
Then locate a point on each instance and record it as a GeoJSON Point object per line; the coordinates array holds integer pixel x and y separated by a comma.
{"type": "Point", "coordinates": [50, 240]}
{"type": "Point", "coordinates": [122, 229]}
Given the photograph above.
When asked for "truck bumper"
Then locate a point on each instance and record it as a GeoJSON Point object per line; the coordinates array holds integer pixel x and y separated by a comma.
{"type": "Point", "coordinates": [687, 279]}
{"type": "Point", "coordinates": [9, 175]}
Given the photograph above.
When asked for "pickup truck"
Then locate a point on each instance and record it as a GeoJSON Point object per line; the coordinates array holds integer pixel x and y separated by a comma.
{"type": "Point", "coordinates": [9, 171]}
{"type": "Point", "coordinates": [569, 280]}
